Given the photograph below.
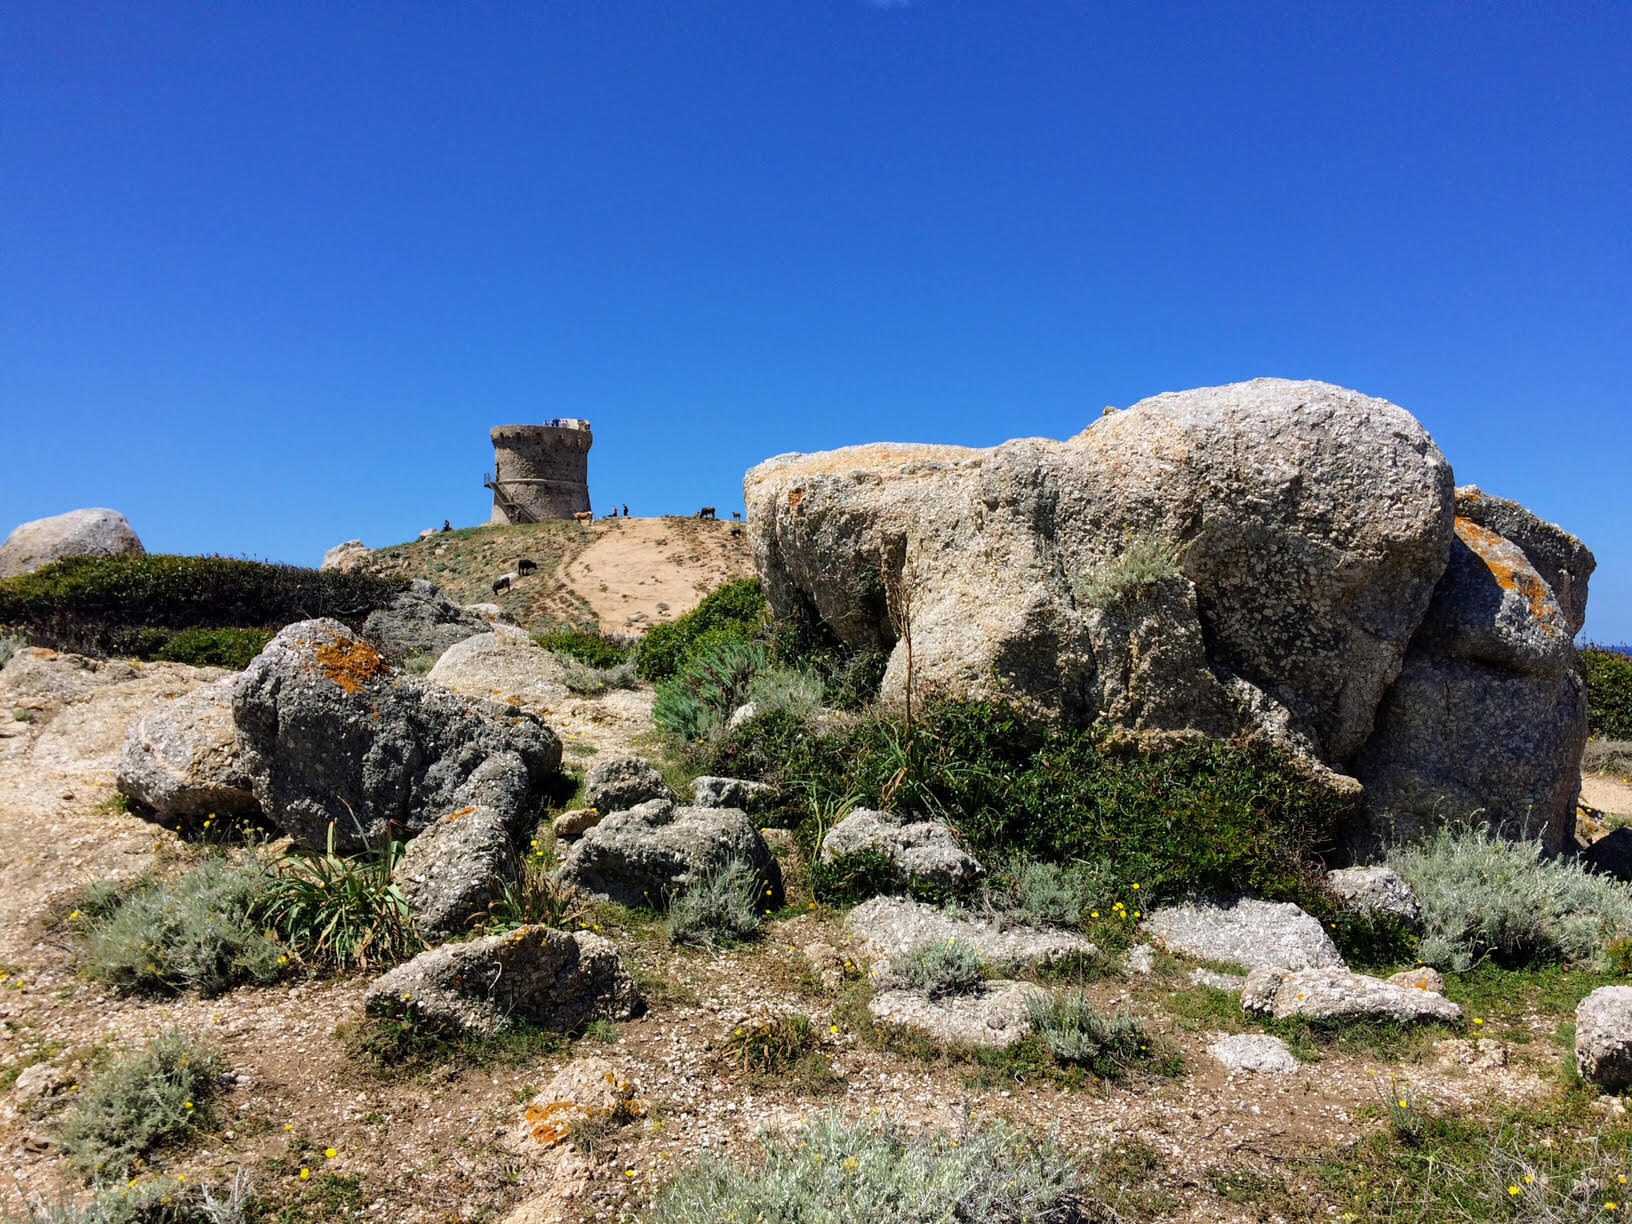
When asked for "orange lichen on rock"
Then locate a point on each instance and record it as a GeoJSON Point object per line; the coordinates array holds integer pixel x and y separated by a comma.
{"type": "Point", "coordinates": [464, 811]}
{"type": "Point", "coordinates": [1493, 550]}
{"type": "Point", "coordinates": [350, 663]}
{"type": "Point", "coordinates": [551, 1122]}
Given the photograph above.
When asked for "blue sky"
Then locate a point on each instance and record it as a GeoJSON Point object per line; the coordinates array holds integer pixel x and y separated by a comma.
{"type": "Point", "coordinates": [268, 272]}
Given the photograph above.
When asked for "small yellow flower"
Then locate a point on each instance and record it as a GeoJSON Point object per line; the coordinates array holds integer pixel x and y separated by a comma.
{"type": "Point", "coordinates": [850, 1162]}
{"type": "Point", "coordinates": [1478, 1020]}
{"type": "Point", "coordinates": [812, 905]}
{"type": "Point", "coordinates": [73, 915]}
{"type": "Point", "coordinates": [330, 1153]}
{"type": "Point", "coordinates": [628, 1172]}
{"type": "Point", "coordinates": [283, 960]}
{"type": "Point", "coordinates": [1513, 1190]}
{"type": "Point", "coordinates": [288, 1126]}
{"type": "Point", "coordinates": [1136, 888]}
{"type": "Point", "coordinates": [1095, 914]}
{"type": "Point", "coordinates": [833, 1028]}
{"type": "Point", "coordinates": [1621, 1179]}
{"type": "Point", "coordinates": [186, 1104]}
{"type": "Point", "coordinates": [305, 1174]}
{"type": "Point", "coordinates": [181, 1177]}
{"type": "Point", "coordinates": [1610, 1206]}
{"type": "Point", "coordinates": [1404, 1105]}
{"type": "Point", "coordinates": [1528, 1179]}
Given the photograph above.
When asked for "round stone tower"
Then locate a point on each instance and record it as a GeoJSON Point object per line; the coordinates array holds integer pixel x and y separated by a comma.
{"type": "Point", "coordinates": [540, 472]}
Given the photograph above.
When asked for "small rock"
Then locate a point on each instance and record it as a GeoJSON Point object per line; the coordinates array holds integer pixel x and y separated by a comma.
{"type": "Point", "coordinates": [1420, 978]}
{"type": "Point", "coordinates": [1141, 959]}
{"type": "Point", "coordinates": [575, 823]}
{"type": "Point", "coordinates": [826, 961]}
{"type": "Point", "coordinates": [1254, 1052]}
{"type": "Point", "coordinates": [345, 557]}
{"type": "Point", "coordinates": [622, 782]}
{"type": "Point", "coordinates": [38, 1082]}
{"type": "Point", "coordinates": [889, 927]}
{"type": "Point", "coordinates": [1337, 994]}
{"type": "Point", "coordinates": [589, 1089]}
{"type": "Point", "coordinates": [420, 623]}
{"type": "Point", "coordinates": [1233, 982]}
{"type": "Point", "coordinates": [995, 1016]}
{"type": "Point", "coordinates": [732, 792]}
{"type": "Point", "coordinates": [923, 850]}
{"type": "Point", "coordinates": [1603, 1037]}
{"type": "Point", "coordinates": [743, 713]}
{"type": "Point", "coordinates": [456, 869]}
{"type": "Point", "coordinates": [1376, 890]}
{"type": "Point", "coordinates": [1254, 934]}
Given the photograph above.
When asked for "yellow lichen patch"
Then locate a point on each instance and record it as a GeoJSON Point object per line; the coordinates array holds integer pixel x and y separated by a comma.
{"type": "Point", "coordinates": [350, 663]}
{"type": "Point", "coordinates": [1493, 550]}
{"type": "Point", "coordinates": [551, 1122]}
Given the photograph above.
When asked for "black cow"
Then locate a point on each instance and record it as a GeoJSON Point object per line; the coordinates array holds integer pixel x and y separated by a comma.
{"type": "Point", "coordinates": [707, 512]}
{"type": "Point", "coordinates": [502, 584]}
{"type": "Point", "coordinates": [524, 566]}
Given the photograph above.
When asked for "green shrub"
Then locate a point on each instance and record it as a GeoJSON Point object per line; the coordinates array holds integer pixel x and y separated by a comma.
{"type": "Point", "coordinates": [140, 1104]}
{"type": "Point", "coordinates": [592, 649]}
{"type": "Point", "coordinates": [713, 680]}
{"type": "Point", "coordinates": [849, 878]}
{"type": "Point", "coordinates": [941, 968]}
{"type": "Point", "coordinates": [830, 1171]}
{"type": "Point", "coordinates": [737, 608]}
{"type": "Point", "coordinates": [199, 931]}
{"type": "Point", "coordinates": [803, 642]}
{"type": "Point", "coordinates": [725, 906]}
{"type": "Point", "coordinates": [1144, 562]}
{"type": "Point", "coordinates": [1609, 692]}
{"type": "Point", "coordinates": [135, 605]}
{"type": "Point", "coordinates": [782, 690]}
{"type": "Point", "coordinates": [1035, 893]}
{"type": "Point", "coordinates": [343, 911]}
{"type": "Point", "coordinates": [535, 898]}
{"type": "Point", "coordinates": [1484, 898]}
{"type": "Point", "coordinates": [1108, 1046]}
{"type": "Point", "coordinates": [233, 648]}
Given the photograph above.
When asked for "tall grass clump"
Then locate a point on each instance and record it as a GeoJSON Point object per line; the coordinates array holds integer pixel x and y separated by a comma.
{"type": "Point", "coordinates": [343, 911]}
{"type": "Point", "coordinates": [1078, 1034]}
{"type": "Point", "coordinates": [1608, 756]}
{"type": "Point", "coordinates": [1145, 561]}
{"type": "Point", "coordinates": [941, 968]}
{"type": "Point", "coordinates": [725, 906]}
{"type": "Point", "coordinates": [1609, 691]}
{"type": "Point", "coordinates": [199, 931]}
{"type": "Point", "coordinates": [734, 610]}
{"type": "Point", "coordinates": [830, 1171]}
{"type": "Point", "coordinates": [141, 1104]}
{"type": "Point", "coordinates": [1486, 899]}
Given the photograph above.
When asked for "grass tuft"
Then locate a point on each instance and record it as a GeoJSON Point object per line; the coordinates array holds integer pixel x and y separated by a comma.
{"type": "Point", "coordinates": [1076, 1033]}
{"type": "Point", "coordinates": [343, 911]}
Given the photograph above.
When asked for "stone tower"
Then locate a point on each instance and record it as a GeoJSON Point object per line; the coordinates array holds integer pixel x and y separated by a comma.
{"type": "Point", "coordinates": [540, 472]}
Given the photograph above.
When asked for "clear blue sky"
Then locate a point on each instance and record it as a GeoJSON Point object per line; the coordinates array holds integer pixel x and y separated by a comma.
{"type": "Point", "coordinates": [268, 272]}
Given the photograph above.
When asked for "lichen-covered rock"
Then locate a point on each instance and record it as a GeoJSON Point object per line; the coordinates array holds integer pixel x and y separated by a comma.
{"type": "Point", "coordinates": [1254, 1052]}
{"type": "Point", "coordinates": [1376, 890]}
{"type": "Point", "coordinates": [94, 532]}
{"type": "Point", "coordinates": [505, 665]}
{"type": "Point", "coordinates": [420, 623]}
{"type": "Point", "coordinates": [534, 974]}
{"type": "Point", "coordinates": [1304, 526]}
{"type": "Point", "coordinates": [1249, 932]}
{"type": "Point", "coordinates": [455, 869]}
{"type": "Point", "coordinates": [588, 1090]}
{"type": "Point", "coordinates": [1331, 995]}
{"type": "Point", "coordinates": [575, 823]}
{"type": "Point", "coordinates": [622, 782]}
{"type": "Point", "coordinates": [652, 852]}
{"type": "Point", "coordinates": [1488, 714]}
{"type": "Point", "coordinates": [1420, 978]}
{"type": "Point", "coordinates": [926, 851]}
{"type": "Point", "coordinates": [330, 732]}
{"type": "Point", "coordinates": [890, 927]}
{"type": "Point", "coordinates": [345, 557]}
{"type": "Point", "coordinates": [732, 792]}
{"type": "Point", "coordinates": [181, 759]}
{"type": "Point", "coordinates": [1603, 1037]}
{"type": "Point", "coordinates": [995, 1016]}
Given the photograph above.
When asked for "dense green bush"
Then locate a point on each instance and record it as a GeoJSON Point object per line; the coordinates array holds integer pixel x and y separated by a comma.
{"type": "Point", "coordinates": [829, 1171]}
{"type": "Point", "coordinates": [141, 1104]}
{"type": "Point", "coordinates": [136, 605]}
{"type": "Point", "coordinates": [594, 649]}
{"type": "Point", "coordinates": [1205, 816]}
{"type": "Point", "coordinates": [1484, 898]}
{"type": "Point", "coordinates": [232, 648]}
{"type": "Point", "coordinates": [199, 931]}
{"type": "Point", "coordinates": [712, 680]}
{"type": "Point", "coordinates": [738, 608]}
{"type": "Point", "coordinates": [1609, 692]}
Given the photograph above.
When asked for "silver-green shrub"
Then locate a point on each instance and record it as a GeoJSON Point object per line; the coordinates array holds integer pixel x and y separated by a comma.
{"type": "Point", "coordinates": [832, 1172]}
{"type": "Point", "coordinates": [941, 968]}
{"type": "Point", "coordinates": [1146, 560]}
{"type": "Point", "coordinates": [725, 906]}
{"type": "Point", "coordinates": [1076, 1032]}
{"type": "Point", "coordinates": [587, 680]}
{"type": "Point", "coordinates": [1036, 893]}
{"type": "Point", "coordinates": [1484, 898]}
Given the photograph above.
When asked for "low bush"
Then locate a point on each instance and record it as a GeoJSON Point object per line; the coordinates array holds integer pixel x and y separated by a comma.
{"type": "Point", "coordinates": [137, 605]}
{"type": "Point", "coordinates": [1076, 1033]}
{"type": "Point", "coordinates": [782, 690]}
{"type": "Point", "coordinates": [696, 700]}
{"type": "Point", "coordinates": [233, 648]}
{"type": "Point", "coordinates": [1145, 561]}
{"type": "Point", "coordinates": [199, 931]}
{"type": "Point", "coordinates": [736, 609]}
{"type": "Point", "coordinates": [725, 906]}
{"type": "Point", "coordinates": [588, 680]}
{"type": "Point", "coordinates": [1484, 898]}
{"type": "Point", "coordinates": [343, 911]}
{"type": "Point", "coordinates": [1608, 756]}
{"type": "Point", "coordinates": [141, 1104]}
{"type": "Point", "coordinates": [830, 1170]}
{"type": "Point", "coordinates": [1609, 691]}
{"type": "Point", "coordinates": [1036, 893]}
{"type": "Point", "coordinates": [8, 647]}
{"type": "Point", "coordinates": [941, 968]}
{"type": "Point", "coordinates": [595, 650]}
{"type": "Point", "coordinates": [771, 1047]}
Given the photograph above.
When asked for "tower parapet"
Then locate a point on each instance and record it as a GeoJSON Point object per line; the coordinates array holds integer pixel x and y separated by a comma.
{"type": "Point", "coordinates": [540, 472]}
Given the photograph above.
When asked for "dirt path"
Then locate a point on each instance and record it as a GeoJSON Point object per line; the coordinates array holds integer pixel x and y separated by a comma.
{"type": "Point", "coordinates": [640, 572]}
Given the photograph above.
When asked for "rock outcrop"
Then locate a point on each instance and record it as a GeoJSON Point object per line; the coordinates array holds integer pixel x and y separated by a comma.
{"type": "Point", "coordinates": [1251, 933]}
{"type": "Point", "coordinates": [1377, 891]}
{"type": "Point", "coordinates": [923, 851]}
{"type": "Point", "coordinates": [505, 665]}
{"type": "Point", "coordinates": [1331, 995]}
{"type": "Point", "coordinates": [1254, 1052]}
{"type": "Point", "coordinates": [891, 927]}
{"type": "Point", "coordinates": [345, 556]}
{"type": "Point", "coordinates": [652, 852]}
{"type": "Point", "coordinates": [420, 623]}
{"type": "Point", "coordinates": [182, 760]}
{"type": "Point", "coordinates": [331, 732]}
{"type": "Point", "coordinates": [622, 782]}
{"type": "Point", "coordinates": [1285, 559]}
{"type": "Point", "coordinates": [995, 1016]}
{"type": "Point", "coordinates": [708, 791]}
{"type": "Point", "coordinates": [79, 533]}
{"type": "Point", "coordinates": [455, 869]}
{"type": "Point", "coordinates": [534, 974]}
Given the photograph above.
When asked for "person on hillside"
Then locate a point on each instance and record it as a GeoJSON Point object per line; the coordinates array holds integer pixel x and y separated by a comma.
{"type": "Point", "coordinates": [626, 510]}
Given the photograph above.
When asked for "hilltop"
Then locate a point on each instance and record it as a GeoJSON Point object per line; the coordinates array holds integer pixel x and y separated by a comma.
{"type": "Point", "coordinates": [620, 575]}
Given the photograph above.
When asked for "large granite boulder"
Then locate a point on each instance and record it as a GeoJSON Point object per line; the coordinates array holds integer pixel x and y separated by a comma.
{"type": "Point", "coordinates": [504, 664]}
{"type": "Point", "coordinates": [181, 759]}
{"type": "Point", "coordinates": [1290, 534]}
{"type": "Point", "coordinates": [533, 974]}
{"type": "Point", "coordinates": [455, 869]}
{"type": "Point", "coordinates": [79, 533]}
{"type": "Point", "coordinates": [345, 557]}
{"type": "Point", "coordinates": [420, 623]}
{"type": "Point", "coordinates": [1489, 715]}
{"type": "Point", "coordinates": [1603, 1037]}
{"type": "Point", "coordinates": [652, 852]}
{"type": "Point", "coordinates": [330, 732]}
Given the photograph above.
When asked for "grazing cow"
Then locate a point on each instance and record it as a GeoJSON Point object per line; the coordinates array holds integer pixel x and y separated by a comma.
{"type": "Point", "coordinates": [524, 566]}
{"type": "Point", "coordinates": [707, 512]}
{"type": "Point", "coordinates": [736, 531]}
{"type": "Point", "coordinates": [584, 516]}
{"type": "Point", "coordinates": [501, 584]}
